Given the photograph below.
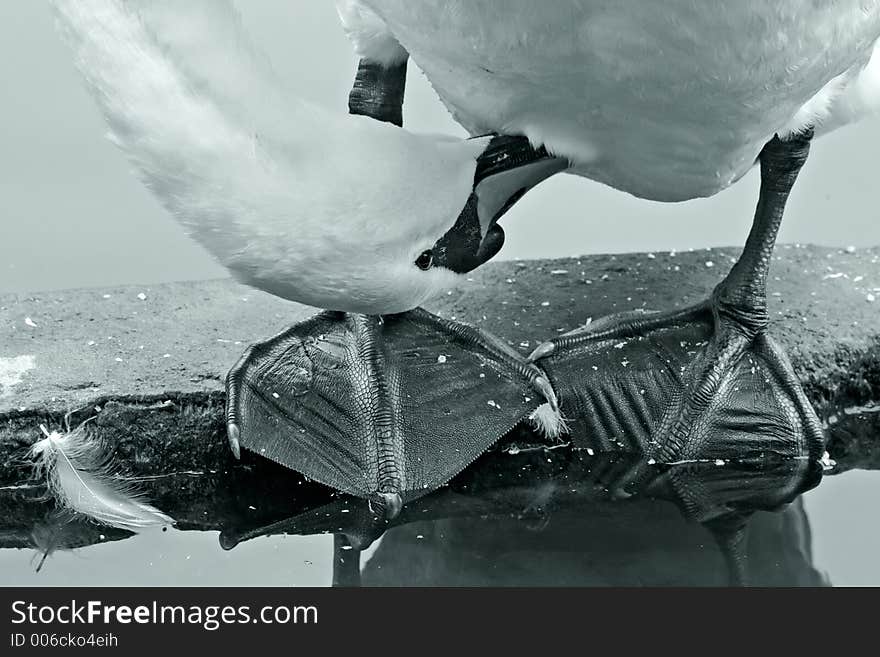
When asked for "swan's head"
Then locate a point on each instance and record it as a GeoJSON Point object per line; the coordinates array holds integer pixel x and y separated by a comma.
{"type": "Point", "coordinates": [394, 221]}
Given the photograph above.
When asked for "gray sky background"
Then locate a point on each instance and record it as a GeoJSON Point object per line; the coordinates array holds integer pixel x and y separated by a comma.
{"type": "Point", "coordinates": [73, 215]}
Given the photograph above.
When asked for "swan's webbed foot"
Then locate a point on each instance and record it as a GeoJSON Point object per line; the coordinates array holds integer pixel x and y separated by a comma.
{"type": "Point", "coordinates": [383, 408]}
{"type": "Point", "coordinates": [737, 315]}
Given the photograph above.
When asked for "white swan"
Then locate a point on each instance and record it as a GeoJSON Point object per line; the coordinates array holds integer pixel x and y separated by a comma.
{"type": "Point", "coordinates": [665, 99]}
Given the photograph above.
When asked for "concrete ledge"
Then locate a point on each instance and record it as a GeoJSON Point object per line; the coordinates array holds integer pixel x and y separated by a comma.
{"type": "Point", "coordinates": [136, 347]}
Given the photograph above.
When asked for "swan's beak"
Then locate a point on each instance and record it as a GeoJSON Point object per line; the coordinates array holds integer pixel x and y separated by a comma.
{"type": "Point", "coordinates": [506, 170]}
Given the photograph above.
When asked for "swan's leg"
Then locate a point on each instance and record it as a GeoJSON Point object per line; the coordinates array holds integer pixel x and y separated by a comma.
{"type": "Point", "coordinates": [738, 307]}
{"type": "Point", "coordinates": [378, 91]}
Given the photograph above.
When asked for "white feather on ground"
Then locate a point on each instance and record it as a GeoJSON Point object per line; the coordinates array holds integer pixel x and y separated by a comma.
{"type": "Point", "coordinates": [80, 476]}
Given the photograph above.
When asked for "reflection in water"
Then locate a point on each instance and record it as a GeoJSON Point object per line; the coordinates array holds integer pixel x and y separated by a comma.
{"type": "Point", "coordinates": [549, 517]}
{"type": "Point", "coordinates": [642, 545]}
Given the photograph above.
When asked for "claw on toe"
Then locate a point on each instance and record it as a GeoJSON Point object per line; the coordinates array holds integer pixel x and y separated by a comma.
{"type": "Point", "coordinates": [542, 351]}
{"type": "Point", "coordinates": [547, 418]}
{"type": "Point", "coordinates": [233, 433]}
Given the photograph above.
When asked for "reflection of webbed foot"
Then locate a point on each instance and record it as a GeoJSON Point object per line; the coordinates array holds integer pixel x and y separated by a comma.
{"type": "Point", "coordinates": [382, 408]}
{"type": "Point", "coordinates": [737, 313]}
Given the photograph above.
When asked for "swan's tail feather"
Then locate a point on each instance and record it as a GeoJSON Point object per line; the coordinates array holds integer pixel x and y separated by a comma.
{"type": "Point", "coordinates": [80, 476]}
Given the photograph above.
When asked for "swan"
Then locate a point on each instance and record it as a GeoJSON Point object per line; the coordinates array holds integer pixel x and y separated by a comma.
{"type": "Point", "coordinates": [666, 100]}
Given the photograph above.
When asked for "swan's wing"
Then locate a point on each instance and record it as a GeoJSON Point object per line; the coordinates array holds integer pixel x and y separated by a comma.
{"type": "Point", "coordinates": [195, 108]}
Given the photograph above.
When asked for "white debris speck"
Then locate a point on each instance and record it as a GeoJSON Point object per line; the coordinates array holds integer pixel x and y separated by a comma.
{"type": "Point", "coordinates": [30, 322]}
{"type": "Point", "coordinates": [92, 343]}
{"type": "Point", "coordinates": [837, 275]}
{"type": "Point", "coordinates": [652, 462]}
{"type": "Point", "coordinates": [870, 297]}
{"type": "Point", "coordinates": [827, 462]}
{"type": "Point", "coordinates": [858, 278]}
{"type": "Point", "coordinates": [142, 296]}
{"type": "Point", "coordinates": [709, 263]}
{"type": "Point", "coordinates": [118, 360]}
{"type": "Point", "coordinates": [558, 272]}
{"type": "Point", "coordinates": [850, 249]}
{"type": "Point", "coordinates": [545, 303]}
{"type": "Point", "coordinates": [252, 507]}
{"type": "Point", "coordinates": [651, 256]}
{"type": "Point", "coordinates": [441, 358]}
{"type": "Point", "coordinates": [509, 280]}
{"type": "Point", "coordinates": [624, 363]}
{"type": "Point", "coordinates": [720, 462]}
{"type": "Point", "coordinates": [166, 355]}
{"type": "Point", "coordinates": [590, 451]}
{"type": "Point", "coordinates": [276, 395]}
{"type": "Point", "coordinates": [419, 537]}
{"type": "Point", "coordinates": [492, 403]}
{"type": "Point", "coordinates": [482, 376]}
{"type": "Point", "coordinates": [524, 343]}
{"type": "Point", "coordinates": [620, 345]}
{"type": "Point", "coordinates": [105, 296]}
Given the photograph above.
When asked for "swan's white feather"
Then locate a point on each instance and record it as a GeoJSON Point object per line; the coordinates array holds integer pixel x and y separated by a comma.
{"type": "Point", "coordinates": [81, 478]}
{"type": "Point", "coordinates": [312, 205]}
{"type": "Point", "coordinates": [665, 99]}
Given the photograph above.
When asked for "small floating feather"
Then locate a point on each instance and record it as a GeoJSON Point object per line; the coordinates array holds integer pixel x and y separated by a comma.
{"type": "Point", "coordinates": [81, 477]}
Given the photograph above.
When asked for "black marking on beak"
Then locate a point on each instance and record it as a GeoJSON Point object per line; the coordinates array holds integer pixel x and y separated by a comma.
{"type": "Point", "coordinates": [505, 153]}
{"type": "Point", "coordinates": [462, 249]}
{"type": "Point", "coordinates": [506, 170]}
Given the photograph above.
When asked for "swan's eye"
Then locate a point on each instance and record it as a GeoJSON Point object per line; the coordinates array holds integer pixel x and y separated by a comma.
{"type": "Point", "coordinates": [425, 260]}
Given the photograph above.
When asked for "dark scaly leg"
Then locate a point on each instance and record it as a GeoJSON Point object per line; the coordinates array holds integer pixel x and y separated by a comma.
{"type": "Point", "coordinates": [378, 92]}
{"type": "Point", "coordinates": [738, 310]}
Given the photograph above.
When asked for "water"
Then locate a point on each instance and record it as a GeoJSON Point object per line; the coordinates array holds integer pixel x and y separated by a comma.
{"type": "Point", "coordinates": [520, 515]}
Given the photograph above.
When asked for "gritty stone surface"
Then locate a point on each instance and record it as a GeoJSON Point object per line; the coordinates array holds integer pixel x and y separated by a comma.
{"type": "Point", "coordinates": [65, 350]}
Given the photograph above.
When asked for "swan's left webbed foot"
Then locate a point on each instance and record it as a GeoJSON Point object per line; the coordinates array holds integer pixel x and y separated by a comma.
{"type": "Point", "coordinates": [737, 311]}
